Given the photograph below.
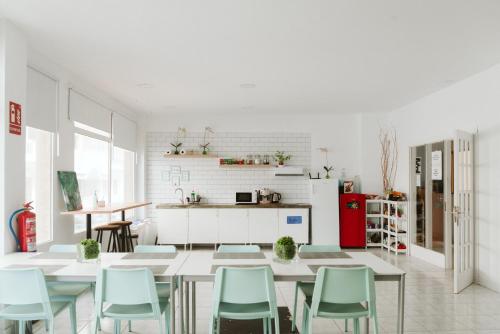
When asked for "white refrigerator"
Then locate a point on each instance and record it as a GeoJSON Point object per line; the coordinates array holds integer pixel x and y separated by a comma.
{"type": "Point", "coordinates": [325, 212]}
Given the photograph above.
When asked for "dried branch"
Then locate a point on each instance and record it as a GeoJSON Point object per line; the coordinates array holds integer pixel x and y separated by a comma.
{"type": "Point", "coordinates": [388, 157]}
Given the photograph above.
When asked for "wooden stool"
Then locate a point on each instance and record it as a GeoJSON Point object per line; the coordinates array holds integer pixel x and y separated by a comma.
{"type": "Point", "coordinates": [126, 235]}
{"type": "Point", "coordinates": [113, 229]}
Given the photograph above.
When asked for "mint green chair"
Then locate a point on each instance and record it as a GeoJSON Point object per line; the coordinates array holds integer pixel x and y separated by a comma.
{"type": "Point", "coordinates": [307, 287]}
{"type": "Point", "coordinates": [25, 295]}
{"type": "Point", "coordinates": [154, 249]}
{"type": "Point", "coordinates": [139, 301]}
{"type": "Point", "coordinates": [244, 294]}
{"type": "Point", "coordinates": [341, 293]}
{"type": "Point", "coordinates": [238, 249]}
{"type": "Point", "coordinates": [163, 289]}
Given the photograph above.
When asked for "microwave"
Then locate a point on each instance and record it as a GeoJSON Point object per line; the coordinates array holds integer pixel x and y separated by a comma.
{"type": "Point", "coordinates": [246, 197]}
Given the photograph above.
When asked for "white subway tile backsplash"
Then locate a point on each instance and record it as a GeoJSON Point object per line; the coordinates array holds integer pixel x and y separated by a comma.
{"type": "Point", "coordinates": [217, 185]}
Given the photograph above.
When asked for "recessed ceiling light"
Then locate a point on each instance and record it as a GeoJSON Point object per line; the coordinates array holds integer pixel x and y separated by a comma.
{"type": "Point", "coordinates": [248, 85]}
{"type": "Point", "coordinates": [247, 107]}
{"type": "Point", "coordinates": [144, 85]}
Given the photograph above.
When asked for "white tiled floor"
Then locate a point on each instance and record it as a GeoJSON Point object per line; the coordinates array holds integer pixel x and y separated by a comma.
{"type": "Point", "coordinates": [431, 307]}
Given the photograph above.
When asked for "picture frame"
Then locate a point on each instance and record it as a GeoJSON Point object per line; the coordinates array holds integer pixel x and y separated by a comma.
{"type": "Point", "coordinates": [165, 175]}
{"type": "Point", "coordinates": [70, 190]}
{"type": "Point", "coordinates": [175, 180]}
{"type": "Point", "coordinates": [348, 187]}
{"type": "Point", "coordinates": [185, 176]}
{"type": "Point", "coordinates": [175, 170]}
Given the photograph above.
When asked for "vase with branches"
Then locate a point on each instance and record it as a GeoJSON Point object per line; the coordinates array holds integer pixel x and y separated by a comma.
{"type": "Point", "coordinates": [206, 134]}
{"type": "Point", "coordinates": [388, 158]}
{"type": "Point", "coordinates": [327, 166]}
{"type": "Point", "coordinates": [181, 133]}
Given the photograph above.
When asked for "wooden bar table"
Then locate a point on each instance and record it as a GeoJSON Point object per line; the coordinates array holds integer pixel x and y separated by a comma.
{"type": "Point", "coordinates": [200, 266]}
{"type": "Point", "coordinates": [113, 208]}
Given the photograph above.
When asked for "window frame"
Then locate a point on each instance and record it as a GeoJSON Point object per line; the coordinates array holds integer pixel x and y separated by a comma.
{"type": "Point", "coordinates": [51, 187]}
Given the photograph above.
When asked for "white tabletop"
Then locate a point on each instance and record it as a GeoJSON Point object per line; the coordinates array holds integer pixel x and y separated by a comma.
{"type": "Point", "coordinates": [198, 266]}
{"type": "Point", "coordinates": [71, 270]}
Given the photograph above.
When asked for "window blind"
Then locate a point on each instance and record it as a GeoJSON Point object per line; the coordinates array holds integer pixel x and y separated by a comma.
{"type": "Point", "coordinates": [41, 105]}
{"type": "Point", "coordinates": [88, 112]}
{"type": "Point", "coordinates": [124, 132]}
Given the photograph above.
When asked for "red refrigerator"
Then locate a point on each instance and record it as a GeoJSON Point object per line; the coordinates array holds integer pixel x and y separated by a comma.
{"type": "Point", "coordinates": [352, 220]}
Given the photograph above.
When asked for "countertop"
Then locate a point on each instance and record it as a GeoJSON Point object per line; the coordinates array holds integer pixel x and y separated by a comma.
{"type": "Point", "coordinates": [234, 206]}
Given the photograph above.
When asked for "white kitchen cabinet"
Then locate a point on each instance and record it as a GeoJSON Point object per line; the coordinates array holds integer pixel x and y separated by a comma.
{"type": "Point", "coordinates": [233, 226]}
{"type": "Point", "coordinates": [294, 223]}
{"type": "Point", "coordinates": [263, 225]}
{"type": "Point", "coordinates": [203, 226]}
{"type": "Point", "coordinates": [173, 226]}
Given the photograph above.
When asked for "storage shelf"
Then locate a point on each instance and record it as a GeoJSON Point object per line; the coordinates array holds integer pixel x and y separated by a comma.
{"type": "Point", "coordinates": [372, 244]}
{"type": "Point", "coordinates": [373, 215]}
{"type": "Point", "coordinates": [247, 166]}
{"type": "Point", "coordinates": [388, 235]}
{"type": "Point", "coordinates": [191, 156]}
{"type": "Point", "coordinates": [373, 230]}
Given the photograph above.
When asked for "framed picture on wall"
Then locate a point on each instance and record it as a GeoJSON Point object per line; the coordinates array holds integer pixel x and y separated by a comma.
{"type": "Point", "coordinates": [348, 187]}
{"type": "Point", "coordinates": [70, 190]}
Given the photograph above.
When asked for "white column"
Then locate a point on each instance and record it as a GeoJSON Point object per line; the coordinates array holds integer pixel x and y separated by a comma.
{"type": "Point", "coordinates": [13, 71]}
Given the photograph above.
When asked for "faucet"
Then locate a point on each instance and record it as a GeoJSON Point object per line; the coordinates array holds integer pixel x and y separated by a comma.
{"type": "Point", "coordinates": [182, 194]}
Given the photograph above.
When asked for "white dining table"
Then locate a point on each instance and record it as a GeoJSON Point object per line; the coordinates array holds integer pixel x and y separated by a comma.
{"type": "Point", "coordinates": [64, 267]}
{"type": "Point", "coordinates": [198, 268]}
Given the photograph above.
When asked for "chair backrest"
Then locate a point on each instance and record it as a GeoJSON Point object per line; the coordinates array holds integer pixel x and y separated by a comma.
{"type": "Point", "coordinates": [63, 248]}
{"type": "Point", "coordinates": [24, 286]}
{"type": "Point", "coordinates": [319, 248]}
{"type": "Point", "coordinates": [126, 287]}
{"type": "Point", "coordinates": [344, 286]}
{"type": "Point", "coordinates": [238, 249]}
{"type": "Point", "coordinates": [244, 286]}
{"type": "Point", "coordinates": [154, 249]}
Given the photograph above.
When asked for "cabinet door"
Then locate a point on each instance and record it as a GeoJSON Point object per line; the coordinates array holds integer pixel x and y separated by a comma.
{"type": "Point", "coordinates": [203, 226]}
{"type": "Point", "coordinates": [233, 226]}
{"type": "Point", "coordinates": [263, 225]}
{"type": "Point", "coordinates": [294, 223]}
{"type": "Point", "coordinates": [172, 226]}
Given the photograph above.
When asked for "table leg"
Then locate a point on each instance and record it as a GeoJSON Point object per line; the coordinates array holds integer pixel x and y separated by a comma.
{"type": "Point", "coordinates": [124, 249]}
{"type": "Point", "coordinates": [401, 304]}
{"type": "Point", "coordinates": [367, 322]}
{"type": "Point", "coordinates": [172, 304]}
{"type": "Point", "coordinates": [89, 226]}
{"type": "Point", "coordinates": [193, 307]}
{"type": "Point", "coordinates": [187, 307]}
{"type": "Point", "coordinates": [181, 302]}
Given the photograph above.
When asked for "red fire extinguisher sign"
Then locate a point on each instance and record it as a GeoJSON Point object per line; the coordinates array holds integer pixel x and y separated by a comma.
{"type": "Point", "coordinates": [15, 118]}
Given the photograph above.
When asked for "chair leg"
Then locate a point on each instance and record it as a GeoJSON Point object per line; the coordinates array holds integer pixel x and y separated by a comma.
{"type": "Point", "coordinates": [51, 326]}
{"type": "Point", "coordinates": [167, 319]}
{"type": "Point", "coordinates": [305, 318]}
{"type": "Point", "coordinates": [276, 325]}
{"type": "Point", "coordinates": [95, 325]}
{"type": "Point", "coordinates": [375, 324]}
{"type": "Point", "coordinates": [46, 322]}
{"type": "Point", "coordinates": [72, 317]}
{"type": "Point", "coordinates": [294, 315]}
{"type": "Point", "coordinates": [356, 326]}
{"type": "Point", "coordinates": [118, 326]}
{"type": "Point", "coordinates": [109, 241]}
{"type": "Point", "coordinates": [129, 239]}
{"type": "Point", "coordinates": [211, 326]}
{"type": "Point", "coordinates": [264, 323]}
{"type": "Point", "coordinates": [22, 326]}
{"type": "Point", "coordinates": [346, 325]}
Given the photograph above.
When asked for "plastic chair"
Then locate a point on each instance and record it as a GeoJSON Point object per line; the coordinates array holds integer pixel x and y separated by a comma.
{"type": "Point", "coordinates": [238, 249]}
{"type": "Point", "coordinates": [340, 293]}
{"type": "Point", "coordinates": [65, 291]}
{"type": "Point", "coordinates": [139, 302]}
{"type": "Point", "coordinates": [163, 289]}
{"type": "Point", "coordinates": [26, 296]}
{"type": "Point", "coordinates": [244, 294]}
{"type": "Point", "coordinates": [154, 249]}
{"type": "Point", "coordinates": [307, 287]}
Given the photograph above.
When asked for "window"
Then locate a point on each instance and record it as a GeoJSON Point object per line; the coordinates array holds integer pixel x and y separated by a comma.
{"type": "Point", "coordinates": [92, 170]}
{"type": "Point", "coordinates": [39, 180]}
{"type": "Point", "coordinates": [122, 180]}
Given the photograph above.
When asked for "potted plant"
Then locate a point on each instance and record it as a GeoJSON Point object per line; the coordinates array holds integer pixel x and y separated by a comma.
{"type": "Point", "coordinates": [88, 250]}
{"type": "Point", "coordinates": [181, 133]}
{"type": "Point", "coordinates": [281, 157]}
{"type": "Point", "coordinates": [204, 146]}
{"type": "Point", "coordinates": [285, 248]}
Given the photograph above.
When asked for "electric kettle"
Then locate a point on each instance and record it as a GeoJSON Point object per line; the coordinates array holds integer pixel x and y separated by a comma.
{"type": "Point", "coordinates": [276, 197]}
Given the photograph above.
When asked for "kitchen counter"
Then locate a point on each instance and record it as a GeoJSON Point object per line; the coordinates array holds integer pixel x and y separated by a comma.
{"type": "Point", "coordinates": [234, 206]}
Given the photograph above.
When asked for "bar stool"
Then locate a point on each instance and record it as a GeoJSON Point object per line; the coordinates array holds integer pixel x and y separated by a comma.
{"type": "Point", "coordinates": [113, 229]}
{"type": "Point", "coordinates": [126, 235]}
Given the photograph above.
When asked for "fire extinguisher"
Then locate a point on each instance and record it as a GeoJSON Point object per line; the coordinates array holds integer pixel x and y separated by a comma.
{"type": "Point", "coordinates": [26, 228]}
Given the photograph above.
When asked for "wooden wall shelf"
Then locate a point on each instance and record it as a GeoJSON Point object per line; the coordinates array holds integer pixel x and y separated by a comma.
{"type": "Point", "coordinates": [190, 156]}
{"type": "Point", "coordinates": [247, 166]}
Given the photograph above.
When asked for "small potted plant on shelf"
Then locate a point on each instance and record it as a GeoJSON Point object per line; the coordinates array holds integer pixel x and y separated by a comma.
{"type": "Point", "coordinates": [285, 249]}
{"type": "Point", "coordinates": [204, 146]}
{"type": "Point", "coordinates": [281, 157]}
{"type": "Point", "coordinates": [181, 133]}
{"type": "Point", "coordinates": [88, 250]}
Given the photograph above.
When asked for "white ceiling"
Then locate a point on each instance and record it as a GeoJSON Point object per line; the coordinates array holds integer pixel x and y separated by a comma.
{"type": "Point", "coordinates": [302, 55]}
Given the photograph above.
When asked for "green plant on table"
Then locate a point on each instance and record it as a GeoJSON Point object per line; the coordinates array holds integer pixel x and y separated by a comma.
{"type": "Point", "coordinates": [285, 248]}
{"type": "Point", "coordinates": [90, 249]}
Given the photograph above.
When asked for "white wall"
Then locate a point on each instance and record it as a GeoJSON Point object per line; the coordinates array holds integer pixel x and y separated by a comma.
{"type": "Point", "coordinates": [471, 105]}
{"type": "Point", "coordinates": [12, 88]}
{"type": "Point", "coordinates": [338, 132]}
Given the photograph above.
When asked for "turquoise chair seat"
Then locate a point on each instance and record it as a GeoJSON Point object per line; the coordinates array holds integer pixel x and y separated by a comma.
{"type": "Point", "coordinates": [128, 312]}
{"type": "Point", "coordinates": [244, 311]}
{"type": "Point", "coordinates": [238, 249]}
{"type": "Point", "coordinates": [340, 311]}
{"type": "Point", "coordinates": [30, 311]}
